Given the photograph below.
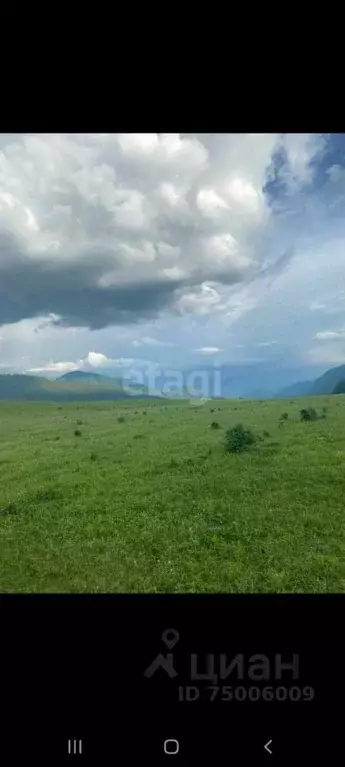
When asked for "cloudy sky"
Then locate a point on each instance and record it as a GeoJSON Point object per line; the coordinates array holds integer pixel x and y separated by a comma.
{"type": "Point", "coordinates": [172, 248]}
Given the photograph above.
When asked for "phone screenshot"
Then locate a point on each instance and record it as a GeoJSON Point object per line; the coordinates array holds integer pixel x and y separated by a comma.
{"type": "Point", "coordinates": [172, 410]}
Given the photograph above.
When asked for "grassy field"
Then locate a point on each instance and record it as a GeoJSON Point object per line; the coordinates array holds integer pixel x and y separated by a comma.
{"type": "Point", "coordinates": [153, 503]}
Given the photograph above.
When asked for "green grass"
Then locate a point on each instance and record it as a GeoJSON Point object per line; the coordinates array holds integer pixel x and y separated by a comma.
{"type": "Point", "coordinates": [153, 503]}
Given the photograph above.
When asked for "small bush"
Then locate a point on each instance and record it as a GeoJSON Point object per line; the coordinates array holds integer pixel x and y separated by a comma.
{"type": "Point", "coordinates": [79, 422]}
{"type": "Point", "coordinates": [60, 408]}
{"type": "Point", "coordinates": [215, 425]}
{"type": "Point", "coordinates": [238, 439]}
{"type": "Point", "coordinates": [266, 434]}
{"type": "Point", "coordinates": [121, 419]}
{"type": "Point", "coordinates": [211, 409]}
{"type": "Point", "coordinates": [77, 433]}
{"type": "Point", "coordinates": [57, 438]}
{"type": "Point", "coordinates": [93, 457]}
{"type": "Point", "coordinates": [324, 410]}
{"type": "Point", "coordinates": [138, 436]}
{"type": "Point", "coordinates": [308, 414]}
{"type": "Point", "coordinates": [284, 416]}
{"type": "Point", "coordinates": [144, 412]}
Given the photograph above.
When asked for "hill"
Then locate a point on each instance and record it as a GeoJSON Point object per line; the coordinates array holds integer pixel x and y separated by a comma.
{"type": "Point", "coordinates": [298, 389]}
{"type": "Point", "coordinates": [80, 375]}
{"type": "Point", "coordinates": [35, 388]}
{"type": "Point", "coordinates": [339, 388]}
{"type": "Point", "coordinates": [328, 381]}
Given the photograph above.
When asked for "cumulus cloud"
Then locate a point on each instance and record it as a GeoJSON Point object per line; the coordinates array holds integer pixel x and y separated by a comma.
{"type": "Point", "coordinates": [92, 362]}
{"type": "Point", "coordinates": [105, 229]}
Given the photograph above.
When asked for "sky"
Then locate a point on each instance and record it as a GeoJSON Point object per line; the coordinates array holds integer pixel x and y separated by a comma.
{"type": "Point", "coordinates": [122, 250]}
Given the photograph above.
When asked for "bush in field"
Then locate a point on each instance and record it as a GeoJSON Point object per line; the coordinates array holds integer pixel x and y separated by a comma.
{"type": "Point", "coordinates": [215, 425]}
{"type": "Point", "coordinates": [77, 433]}
{"type": "Point", "coordinates": [93, 456]}
{"type": "Point", "coordinates": [284, 416]}
{"type": "Point", "coordinates": [308, 414]}
{"type": "Point", "coordinates": [266, 434]}
{"type": "Point", "coordinates": [238, 439]}
{"type": "Point", "coordinates": [121, 419]}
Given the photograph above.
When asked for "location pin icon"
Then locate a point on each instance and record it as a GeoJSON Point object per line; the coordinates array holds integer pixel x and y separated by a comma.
{"type": "Point", "coordinates": [170, 637]}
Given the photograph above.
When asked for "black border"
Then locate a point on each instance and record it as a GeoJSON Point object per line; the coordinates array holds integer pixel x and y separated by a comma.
{"type": "Point", "coordinates": [73, 666]}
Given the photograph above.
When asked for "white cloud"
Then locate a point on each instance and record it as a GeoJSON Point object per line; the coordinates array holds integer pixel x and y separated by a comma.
{"type": "Point", "coordinates": [106, 214]}
{"type": "Point", "coordinates": [330, 334]}
{"type": "Point", "coordinates": [96, 360]}
{"type": "Point", "coordinates": [209, 350]}
{"type": "Point", "coordinates": [56, 367]}
{"type": "Point", "coordinates": [301, 149]}
{"type": "Point", "coordinates": [155, 342]}
{"type": "Point", "coordinates": [267, 343]}
{"type": "Point", "coordinates": [93, 361]}
{"type": "Point", "coordinates": [201, 300]}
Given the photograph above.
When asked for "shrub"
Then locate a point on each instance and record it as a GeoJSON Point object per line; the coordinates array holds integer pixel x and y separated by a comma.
{"type": "Point", "coordinates": [211, 409]}
{"type": "Point", "coordinates": [57, 438]}
{"type": "Point", "coordinates": [121, 419]}
{"type": "Point", "coordinates": [138, 436]}
{"type": "Point", "coordinates": [238, 439]}
{"type": "Point", "coordinates": [77, 433]}
{"type": "Point", "coordinates": [215, 425]}
{"type": "Point", "coordinates": [266, 434]}
{"type": "Point", "coordinates": [144, 412]}
{"type": "Point", "coordinates": [79, 422]}
{"type": "Point", "coordinates": [324, 410]}
{"type": "Point", "coordinates": [93, 456]}
{"type": "Point", "coordinates": [308, 414]}
{"type": "Point", "coordinates": [284, 416]}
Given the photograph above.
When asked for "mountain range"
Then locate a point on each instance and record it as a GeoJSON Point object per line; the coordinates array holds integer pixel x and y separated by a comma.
{"type": "Point", "coordinates": [81, 385]}
{"type": "Point", "coordinates": [77, 386]}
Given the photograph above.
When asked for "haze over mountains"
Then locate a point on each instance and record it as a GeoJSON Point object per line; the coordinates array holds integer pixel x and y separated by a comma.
{"type": "Point", "coordinates": [82, 385]}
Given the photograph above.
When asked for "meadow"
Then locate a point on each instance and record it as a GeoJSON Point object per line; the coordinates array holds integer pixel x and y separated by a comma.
{"type": "Point", "coordinates": [140, 496]}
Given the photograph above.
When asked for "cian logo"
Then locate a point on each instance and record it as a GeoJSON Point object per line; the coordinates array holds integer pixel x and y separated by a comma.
{"type": "Point", "coordinates": [165, 662]}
